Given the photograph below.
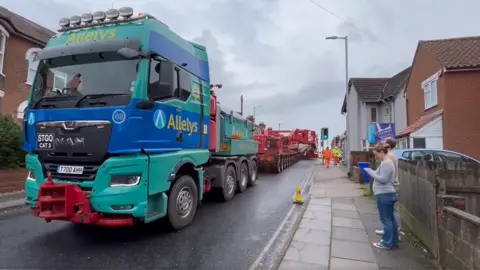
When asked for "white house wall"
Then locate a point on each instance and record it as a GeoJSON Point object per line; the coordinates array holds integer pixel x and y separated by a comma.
{"type": "Point", "coordinates": [400, 112]}
{"type": "Point", "coordinates": [353, 111]}
{"type": "Point", "coordinates": [432, 132]}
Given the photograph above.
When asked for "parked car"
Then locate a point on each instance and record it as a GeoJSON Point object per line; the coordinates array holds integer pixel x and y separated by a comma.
{"type": "Point", "coordinates": [433, 155]}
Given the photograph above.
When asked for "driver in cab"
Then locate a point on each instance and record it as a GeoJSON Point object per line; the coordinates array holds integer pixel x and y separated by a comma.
{"type": "Point", "coordinates": [74, 85]}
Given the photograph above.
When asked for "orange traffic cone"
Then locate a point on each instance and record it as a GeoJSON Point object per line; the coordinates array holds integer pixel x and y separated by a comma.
{"type": "Point", "coordinates": [298, 196]}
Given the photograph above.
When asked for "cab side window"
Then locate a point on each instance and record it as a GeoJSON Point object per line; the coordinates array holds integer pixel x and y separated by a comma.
{"type": "Point", "coordinates": [184, 85]}
{"type": "Point", "coordinates": [166, 81]}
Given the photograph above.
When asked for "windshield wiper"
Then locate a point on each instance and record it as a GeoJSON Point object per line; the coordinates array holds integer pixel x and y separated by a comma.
{"type": "Point", "coordinates": [50, 98]}
{"type": "Point", "coordinates": [93, 96]}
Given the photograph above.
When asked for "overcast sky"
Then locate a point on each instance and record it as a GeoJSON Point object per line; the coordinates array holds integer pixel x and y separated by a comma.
{"type": "Point", "coordinates": [274, 52]}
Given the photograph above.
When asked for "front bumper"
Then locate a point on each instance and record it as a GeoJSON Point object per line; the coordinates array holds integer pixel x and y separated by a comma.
{"type": "Point", "coordinates": [103, 199]}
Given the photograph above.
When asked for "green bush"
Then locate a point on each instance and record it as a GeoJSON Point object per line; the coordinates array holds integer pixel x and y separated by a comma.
{"type": "Point", "coordinates": [11, 152]}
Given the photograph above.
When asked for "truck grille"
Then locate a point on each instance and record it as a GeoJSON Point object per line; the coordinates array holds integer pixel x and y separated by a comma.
{"type": "Point", "coordinates": [89, 173]}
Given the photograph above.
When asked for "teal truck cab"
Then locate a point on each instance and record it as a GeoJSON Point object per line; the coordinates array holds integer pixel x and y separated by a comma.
{"type": "Point", "coordinates": [123, 126]}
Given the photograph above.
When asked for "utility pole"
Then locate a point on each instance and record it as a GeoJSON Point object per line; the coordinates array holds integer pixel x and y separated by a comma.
{"type": "Point", "coordinates": [279, 126]}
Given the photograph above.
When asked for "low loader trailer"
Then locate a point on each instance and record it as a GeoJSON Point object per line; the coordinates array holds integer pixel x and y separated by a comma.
{"type": "Point", "coordinates": [123, 126]}
{"type": "Point", "coordinates": [274, 156]}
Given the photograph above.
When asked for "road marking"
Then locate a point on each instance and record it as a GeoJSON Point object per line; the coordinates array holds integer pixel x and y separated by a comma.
{"type": "Point", "coordinates": [280, 228]}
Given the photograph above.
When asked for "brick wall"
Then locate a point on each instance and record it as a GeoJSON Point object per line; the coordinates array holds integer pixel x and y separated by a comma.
{"type": "Point", "coordinates": [424, 66]}
{"type": "Point", "coordinates": [459, 238]}
{"type": "Point", "coordinates": [461, 113]}
{"type": "Point", "coordinates": [15, 69]}
{"type": "Point", "coordinates": [12, 180]}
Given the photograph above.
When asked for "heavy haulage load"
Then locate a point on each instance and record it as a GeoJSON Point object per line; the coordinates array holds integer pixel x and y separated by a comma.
{"type": "Point", "coordinates": [277, 150]}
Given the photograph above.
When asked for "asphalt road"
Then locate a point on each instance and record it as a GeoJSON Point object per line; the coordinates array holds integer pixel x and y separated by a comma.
{"type": "Point", "coordinates": [223, 236]}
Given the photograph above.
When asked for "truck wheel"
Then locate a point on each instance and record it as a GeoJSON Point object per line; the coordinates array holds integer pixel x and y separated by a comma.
{"type": "Point", "coordinates": [229, 183]}
{"type": "Point", "coordinates": [253, 174]}
{"type": "Point", "coordinates": [243, 181]}
{"type": "Point", "coordinates": [182, 202]}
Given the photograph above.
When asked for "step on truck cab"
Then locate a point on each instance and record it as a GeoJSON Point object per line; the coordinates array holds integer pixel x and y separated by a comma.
{"type": "Point", "coordinates": [123, 126]}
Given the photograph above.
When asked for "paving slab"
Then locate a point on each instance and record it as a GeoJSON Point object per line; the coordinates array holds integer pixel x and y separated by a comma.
{"type": "Point", "coordinates": [317, 215]}
{"type": "Point", "coordinates": [314, 224]}
{"type": "Point", "coordinates": [349, 234]}
{"type": "Point", "coordinates": [322, 201]}
{"type": "Point", "coordinates": [308, 253]}
{"type": "Point", "coordinates": [319, 208]}
{"type": "Point", "coordinates": [345, 213]}
{"type": "Point", "coordinates": [291, 265]}
{"type": "Point", "coordinates": [313, 237]}
{"type": "Point", "coordinates": [344, 206]}
{"type": "Point", "coordinates": [348, 223]}
{"type": "Point", "coordinates": [353, 250]}
{"type": "Point", "coordinates": [344, 264]}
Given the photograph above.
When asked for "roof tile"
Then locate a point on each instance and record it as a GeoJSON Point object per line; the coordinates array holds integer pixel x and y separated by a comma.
{"type": "Point", "coordinates": [26, 27]}
{"type": "Point", "coordinates": [455, 53]}
{"type": "Point", "coordinates": [396, 83]}
{"type": "Point", "coordinates": [369, 89]}
{"type": "Point", "coordinates": [420, 122]}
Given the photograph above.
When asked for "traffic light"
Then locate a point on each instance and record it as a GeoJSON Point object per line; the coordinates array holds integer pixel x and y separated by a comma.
{"type": "Point", "coordinates": [324, 133]}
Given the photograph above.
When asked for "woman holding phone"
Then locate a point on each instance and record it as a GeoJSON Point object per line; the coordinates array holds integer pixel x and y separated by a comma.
{"type": "Point", "coordinates": [384, 190]}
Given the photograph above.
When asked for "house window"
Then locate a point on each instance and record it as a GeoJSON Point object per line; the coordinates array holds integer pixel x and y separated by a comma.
{"type": "Point", "coordinates": [430, 92]}
{"type": "Point", "coordinates": [32, 64]}
{"type": "Point", "coordinates": [387, 111]}
{"type": "Point", "coordinates": [419, 143]}
{"type": "Point", "coordinates": [21, 109]}
{"type": "Point", "coordinates": [59, 80]}
{"type": "Point", "coordinates": [3, 45]}
{"type": "Point", "coordinates": [373, 115]}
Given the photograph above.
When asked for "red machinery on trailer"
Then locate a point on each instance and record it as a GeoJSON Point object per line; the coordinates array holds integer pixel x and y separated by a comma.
{"type": "Point", "coordinates": [274, 153]}
{"type": "Point", "coordinates": [305, 142]}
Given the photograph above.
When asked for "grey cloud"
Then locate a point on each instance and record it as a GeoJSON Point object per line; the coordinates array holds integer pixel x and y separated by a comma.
{"type": "Point", "coordinates": [316, 93]}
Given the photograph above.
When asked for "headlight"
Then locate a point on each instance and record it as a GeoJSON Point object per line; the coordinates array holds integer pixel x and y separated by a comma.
{"type": "Point", "coordinates": [125, 180]}
{"type": "Point", "coordinates": [31, 176]}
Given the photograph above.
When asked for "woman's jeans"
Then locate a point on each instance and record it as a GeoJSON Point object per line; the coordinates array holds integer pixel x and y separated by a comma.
{"type": "Point", "coordinates": [385, 204]}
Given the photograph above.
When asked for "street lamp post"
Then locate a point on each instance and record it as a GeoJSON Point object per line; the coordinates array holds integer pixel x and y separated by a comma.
{"type": "Point", "coordinates": [255, 110]}
{"type": "Point", "coordinates": [347, 144]}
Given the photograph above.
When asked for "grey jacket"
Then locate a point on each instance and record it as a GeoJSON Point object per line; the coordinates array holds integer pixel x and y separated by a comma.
{"type": "Point", "coordinates": [384, 178]}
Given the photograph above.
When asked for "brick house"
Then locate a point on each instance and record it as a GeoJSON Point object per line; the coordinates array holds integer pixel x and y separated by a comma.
{"type": "Point", "coordinates": [20, 39]}
{"type": "Point", "coordinates": [443, 96]}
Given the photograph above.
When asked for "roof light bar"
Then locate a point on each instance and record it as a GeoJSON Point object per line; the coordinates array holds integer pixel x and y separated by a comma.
{"type": "Point", "coordinates": [87, 18]}
{"type": "Point", "coordinates": [99, 16]}
{"type": "Point", "coordinates": [64, 22]}
{"type": "Point", "coordinates": [112, 14]}
{"type": "Point", "coordinates": [126, 12]}
{"type": "Point", "coordinates": [75, 20]}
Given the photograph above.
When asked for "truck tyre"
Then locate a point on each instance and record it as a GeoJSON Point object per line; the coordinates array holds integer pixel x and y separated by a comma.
{"type": "Point", "coordinates": [243, 181]}
{"type": "Point", "coordinates": [229, 184]}
{"type": "Point", "coordinates": [182, 202]}
{"type": "Point", "coordinates": [253, 174]}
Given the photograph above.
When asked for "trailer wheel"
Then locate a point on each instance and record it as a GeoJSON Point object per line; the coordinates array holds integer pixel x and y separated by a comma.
{"type": "Point", "coordinates": [253, 174]}
{"type": "Point", "coordinates": [243, 181]}
{"type": "Point", "coordinates": [182, 202]}
{"type": "Point", "coordinates": [229, 184]}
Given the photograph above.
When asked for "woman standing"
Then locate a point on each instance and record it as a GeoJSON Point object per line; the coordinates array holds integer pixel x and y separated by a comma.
{"type": "Point", "coordinates": [384, 190]}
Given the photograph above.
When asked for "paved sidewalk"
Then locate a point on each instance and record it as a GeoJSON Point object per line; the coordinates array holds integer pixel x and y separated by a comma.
{"type": "Point", "coordinates": [12, 200]}
{"type": "Point", "coordinates": [337, 231]}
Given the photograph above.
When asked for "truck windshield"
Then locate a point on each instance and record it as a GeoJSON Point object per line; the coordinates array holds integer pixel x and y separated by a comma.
{"type": "Point", "coordinates": [99, 79]}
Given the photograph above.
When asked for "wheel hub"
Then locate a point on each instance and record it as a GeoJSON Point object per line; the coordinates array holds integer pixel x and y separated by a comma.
{"type": "Point", "coordinates": [244, 177]}
{"type": "Point", "coordinates": [184, 202]}
{"type": "Point", "coordinates": [230, 183]}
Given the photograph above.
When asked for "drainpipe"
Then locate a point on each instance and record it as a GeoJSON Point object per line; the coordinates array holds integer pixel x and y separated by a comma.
{"type": "Point", "coordinates": [390, 107]}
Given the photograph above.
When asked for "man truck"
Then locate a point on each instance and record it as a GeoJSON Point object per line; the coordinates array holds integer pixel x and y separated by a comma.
{"type": "Point", "coordinates": [123, 126]}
